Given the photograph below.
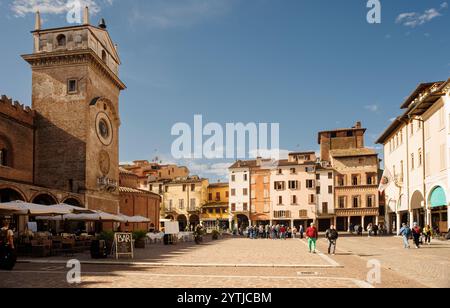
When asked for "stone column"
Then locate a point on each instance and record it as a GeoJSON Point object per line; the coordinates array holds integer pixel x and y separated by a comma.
{"type": "Point", "coordinates": [398, 224]}
{"type": "Point", "coordinates": [411, 218]}
{"type": "Point", "coordinates": [349, 221]}
{"type": "Point", "coordinates": [377, 220]}
{"type": "Point", "coordinates": [363, 218]}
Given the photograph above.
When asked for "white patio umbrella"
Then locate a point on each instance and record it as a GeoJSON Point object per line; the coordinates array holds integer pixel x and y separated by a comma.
{"type": "Point", "coordinates": [25, 208]}
{"type": "Point", "coordinates": [134, 219]}
{"type": "Point", "coordinates": [95, 216]}
{"type": "Point", "coordinates": [75, 209]}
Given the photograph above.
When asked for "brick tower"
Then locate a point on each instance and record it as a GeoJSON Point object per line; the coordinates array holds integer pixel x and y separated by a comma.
{"type": "Point", "coordinates": [75, 94]}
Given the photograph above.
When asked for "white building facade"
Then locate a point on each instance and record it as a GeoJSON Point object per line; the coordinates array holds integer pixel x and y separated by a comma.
{"type": "Point", "coordinates": [416, 159]}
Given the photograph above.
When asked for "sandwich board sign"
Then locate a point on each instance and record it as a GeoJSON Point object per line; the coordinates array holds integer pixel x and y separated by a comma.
{"type": "Point", "coordinates": [172, 227]}
{"type": "Point", "coordinates": [123, 245]}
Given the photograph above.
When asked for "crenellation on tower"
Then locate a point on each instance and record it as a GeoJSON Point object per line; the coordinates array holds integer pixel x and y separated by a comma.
{"type": "Point", "coordinates": [16, 111]}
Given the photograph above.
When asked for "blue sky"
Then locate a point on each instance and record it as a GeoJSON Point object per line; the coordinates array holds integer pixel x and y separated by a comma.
{"type": "Point", "coordinates": [309, 65]}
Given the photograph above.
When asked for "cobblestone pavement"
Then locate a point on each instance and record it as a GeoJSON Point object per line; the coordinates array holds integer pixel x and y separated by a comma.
{"type": "Point", "coordinates": [348, 269]}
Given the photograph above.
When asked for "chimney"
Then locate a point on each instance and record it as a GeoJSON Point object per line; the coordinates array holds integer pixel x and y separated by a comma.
{"type": "Point", "coordinates": [358, 124]}
{"type": "Point", "coordinates": [37, 23]}
{"type": "Point", "coordinates": [258, 161]}
{"type": "Point", "coordinates": [86, 16]}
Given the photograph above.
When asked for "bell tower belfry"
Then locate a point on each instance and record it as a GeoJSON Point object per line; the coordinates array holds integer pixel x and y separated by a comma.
{"type": "Point", "coordinates": [75, 93]}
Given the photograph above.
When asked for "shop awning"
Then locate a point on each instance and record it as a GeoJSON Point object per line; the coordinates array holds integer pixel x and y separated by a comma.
{"type": "Point", "coordinates": [24, 208]}
{"type": "Point", "coordinates": [438, 197]}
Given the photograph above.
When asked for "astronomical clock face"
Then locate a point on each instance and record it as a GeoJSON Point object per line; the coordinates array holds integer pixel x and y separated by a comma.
{"type": "Point", "coordinates": [104, 162]}
{"type": "Point", "coordinates": [104, 128]}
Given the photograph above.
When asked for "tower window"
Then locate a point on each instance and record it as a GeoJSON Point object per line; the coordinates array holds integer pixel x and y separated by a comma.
{"type": "Point", "coordinates": [72, 86]}
{"type": "Point", "coordinates": [3, 157]}
{"type": "Point", "coordinates": [61, 40]}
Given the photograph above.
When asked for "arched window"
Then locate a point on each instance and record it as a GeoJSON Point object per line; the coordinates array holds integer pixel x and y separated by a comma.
{"type": "Point", "coordinates": [3, 157]}
{"type": "Point", "coordinates": [61, 40]}
{"type": "Point", "coordinates": [104, 56]}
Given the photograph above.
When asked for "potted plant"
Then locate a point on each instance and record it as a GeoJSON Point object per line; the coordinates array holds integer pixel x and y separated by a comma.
{"type": "Point", "coordinates": [139, 239]}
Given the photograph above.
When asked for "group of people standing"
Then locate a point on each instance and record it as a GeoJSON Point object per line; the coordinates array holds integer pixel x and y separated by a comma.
{"type": "Point", "coordinates": [282, 232]}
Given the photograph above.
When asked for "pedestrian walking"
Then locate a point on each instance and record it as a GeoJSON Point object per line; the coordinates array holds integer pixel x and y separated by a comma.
{"type": "Point", "coordinates": [416, 233]}
{"type": "Point", "coordinates": [301, 231]}
{"type": "Point", "coordinates": [405, 232]}
{"type": "Point", "coordinates": [427, 233]}
{"type": "Point", "coordinates": [283, 232]}
{"type": "Point", "coordinates": [332, 236]}
{"type": "Point", "coordinates": [312, 235]}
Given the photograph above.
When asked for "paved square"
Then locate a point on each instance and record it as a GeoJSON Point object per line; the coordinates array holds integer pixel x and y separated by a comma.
{"type": "Point", "coordinates": [244, 263]}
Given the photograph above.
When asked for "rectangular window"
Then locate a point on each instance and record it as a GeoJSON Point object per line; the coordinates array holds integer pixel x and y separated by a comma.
{"type": "Point", "coordinates": [293, 171]}
{"type": "Point", "coordinates": [217, 196]}
{"type": "Point", "coordinates": [245, 207]}
{"type": "Point", "coordinates": [303, 213]}
{"type": "Point", "coordinates": [294, 200]}
{"type": "Point", "coordinates": [245, 177]}
{"type": "Point", "coordinates": [293, 185]}
{"type": "Point", "coordinates": [342, 202]}
{"type": "Point", "coordinates": [330, 175]}
{"type": "Point", "coordinates": [310, 184]}
{"type": "Point", "coordinates": [192, 187]}
{"type": "Point", "coordinates": [318, 177]}
{"type": "Point", "coordinates": [245, 191]}
{"type": "Point", "coordinates": [181, 204]}
{"type": "Point", "coordinates": [279, 185]}
{"type": "Point", "coordinates": [420, 157]}
{"type": "Point", "coordinates": [184, 187]}
{"type": "Point", "coordinates": [193, 204]}
{"type": "Point", "coordinates": [325, 208]}
{"type": "Point", "coordinates": [355, 180]}
{"type": "Point", "coordinates": [330, 190]}
{"type": "Point", "coordinates": [356, 201]}
{"type": "Point", "coordinates": [318, 190]}
{"type": "Point", "coordinates": [233, 207]}
{"type": "Point", "coordinates": [233, 192]}
{"type": "Point", "coordinates": [227, 194]}
{"type": "Point", "coordinates": [167, 189]}
{"type": "Point", "coordinates": [210, 196]}
{"type": "Point", "coordinates": [341, 180]}
{"type": "Point", "coordinates": [312, 199]}
{"type": "Point", "coordinates": [370, 201]}
{"type": "Point", "coordinates": [233, 178]}
{"type": "Point", "coordinates": [280, 200]}
{"type": "Point", "coordinates": [72, 86]}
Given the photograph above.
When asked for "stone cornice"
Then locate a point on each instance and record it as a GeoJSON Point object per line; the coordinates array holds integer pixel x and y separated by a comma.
{"type": "Point", "coordinates": [38, 60]}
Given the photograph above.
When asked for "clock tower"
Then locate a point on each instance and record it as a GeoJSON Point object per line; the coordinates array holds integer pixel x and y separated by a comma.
{"type": "Point", "coordinates": [75, 93]}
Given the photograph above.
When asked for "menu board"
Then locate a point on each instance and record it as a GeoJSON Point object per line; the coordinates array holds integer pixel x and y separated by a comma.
{"type": "Point", "coordinates": [172, 227]}
{"type": "Point", "coordinates": [123, 244]}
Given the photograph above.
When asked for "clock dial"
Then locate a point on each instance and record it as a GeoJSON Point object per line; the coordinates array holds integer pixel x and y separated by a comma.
{"type": "Point", "coordinates": [103, 127]}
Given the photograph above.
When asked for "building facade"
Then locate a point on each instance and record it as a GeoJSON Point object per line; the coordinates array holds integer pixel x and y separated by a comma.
{"type": "Point", "coordinates": [65, 148]}
{"type": "Point", "coordinates": [138, 202]}
{"type": "Point", "coordinates": [183, 199]}
{"type": "Point", "coordinates": [215, 213]}
{"type": "Point", "coordinates": [239, 203]}
{"type": "Point", "coordinates": [356, 168]}
{"type": "Point", "coordinates": [416, 150]}
{"type": "Point", "coordinates": [293, 190]}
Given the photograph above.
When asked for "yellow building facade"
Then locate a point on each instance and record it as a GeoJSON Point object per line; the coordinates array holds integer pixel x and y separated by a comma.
{"type": "Point", "coordinates": [215, 212]}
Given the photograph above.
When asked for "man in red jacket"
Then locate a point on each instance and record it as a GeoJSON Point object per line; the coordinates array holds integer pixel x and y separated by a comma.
{"type": "Point", "coordinates": [312, 235]}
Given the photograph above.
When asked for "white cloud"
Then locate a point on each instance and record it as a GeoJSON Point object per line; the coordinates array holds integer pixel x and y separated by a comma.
{"type": "Point", "coordinates": [414, 19]}
{"type": "Point", "coordinates": [21, 8]}
{"type": "Point", "coordinates": [177, 13]}
{"type": "Point", "coordinates": [372, 108]}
